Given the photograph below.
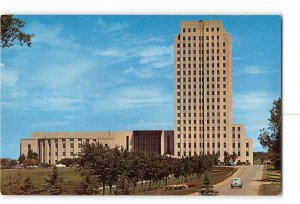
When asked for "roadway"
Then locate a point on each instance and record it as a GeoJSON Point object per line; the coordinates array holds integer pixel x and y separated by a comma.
{"type": "Point", "coordinates": [251, 177]}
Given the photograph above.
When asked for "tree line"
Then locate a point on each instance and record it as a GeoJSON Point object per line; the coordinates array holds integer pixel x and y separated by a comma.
{"type": "Point", "coordinates": [120, 171]}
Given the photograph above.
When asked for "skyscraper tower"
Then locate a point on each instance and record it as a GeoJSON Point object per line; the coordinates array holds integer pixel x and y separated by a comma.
{"type": "Point", "coordinates": [203, 93]}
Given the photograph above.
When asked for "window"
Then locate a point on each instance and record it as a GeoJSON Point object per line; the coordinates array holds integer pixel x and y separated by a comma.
{"type": "Point", "coordinates": [247, 144]}
{"type": "Point", "coordinates": [178, 145]}
{"type": "Point", "coordinates": [233, 145]}
{"type": "Point", "coordinates": [64, 154]}
{"type": "Point", "coordinates": [64, 145]}
{"type": "Point", "coordinates": [178, 154]}
{"type": "Point", "coordinates": [183, 30]}
{"type": "Point", "coordinates": [127, 143]}
{"type": "Point", "coordinates": [247, 154]}
{"type": "Point", "coordinates": [224, 144]}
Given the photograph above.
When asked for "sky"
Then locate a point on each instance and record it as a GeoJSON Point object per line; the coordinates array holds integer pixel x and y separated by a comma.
{"type": "Point", "coordinates": [114, 72]}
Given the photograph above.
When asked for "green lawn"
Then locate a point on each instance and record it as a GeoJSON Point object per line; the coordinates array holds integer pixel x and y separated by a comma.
{"type": "Point", "coordinates": [273, 176]}
{"type": "Point", "coordinates": [270, 189]}
{"type": "Point", "coordinates": [217, 175]}
{"type": "Point", "coordinates": [38, 175]}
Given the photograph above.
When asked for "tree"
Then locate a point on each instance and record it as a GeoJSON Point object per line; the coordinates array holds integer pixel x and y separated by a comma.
{"type": "Point", "coordinates": [21, 158]}
{"type": "Point", "coordinates": [30, 162]}
{"type": "Point", "coordinates": [32, 155]}
{"type": "Point", "coordinates": [233, 157]}
{"type": "Point", "coordinates": [271, 140]}
{"type": "Point", "coordinates": [122, 186]}
{"type": "Point", "coordinates": [87, 186]}
{"type": "Point", "coordinates": [28, 188]}
{"type": "Point", "coordinates": [8, 163]}
{"type": "Point", "coordinates": [207, 188]}
{"type": "Point", "coordinates": [11, 31]}
{"type": "Point", "coordinates": [13, 187]}
{"type": "Point", "coordinates": [53, 184]}
{"type": "Point", "coordinates": [226, 157]}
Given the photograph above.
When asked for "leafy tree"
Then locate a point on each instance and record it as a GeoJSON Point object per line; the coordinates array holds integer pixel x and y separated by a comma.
{"type": "Point", "coordinates": [207, 188]}
{"type": "Point", "coordinates": [233, 157]}
{"type": "Point", "coordinates": [30, 162]}
{"type": "Point", "coordinates": [53, 184]}
{"type": "Point", "coordinates": [122, 186]}
{"type": "Point", "coordinates": [28, 188]}
{"type": "Point", "coordinates": [87, 186]}
{"type": "Point", "coordinates": [8, 163]}
{"type": "Point", "coordinates": [21, 158]}
{"type": "Point", "coordinates": [11, 31]}
{"type": "Point", "coordinates": [32, 155]}
{"type": "Point", "coordinates": [13, 187]}
{"type": "Point", "coordinates": [271, 140]}
{"type": "Point", "coordinates": [226, 157]}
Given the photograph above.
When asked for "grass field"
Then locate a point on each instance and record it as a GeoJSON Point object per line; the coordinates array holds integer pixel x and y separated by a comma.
{"type": "Point", "coordinates": [38, 175]}
{"type": "Point", "coordinates": [217, 175]}
{"type": "Point", "coordinates": [274, 177]}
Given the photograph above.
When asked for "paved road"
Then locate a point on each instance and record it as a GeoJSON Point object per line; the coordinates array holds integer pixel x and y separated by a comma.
{"type": "Point", "coordinates": [251, 177]}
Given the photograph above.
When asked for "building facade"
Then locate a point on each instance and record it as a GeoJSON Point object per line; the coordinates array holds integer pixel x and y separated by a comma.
{"type": "Point", "coordinates": [202, 107]}
{"type": "Point", "coordinates": [54, 146]}
{"type": "Point", "coordinates": [203, 93]}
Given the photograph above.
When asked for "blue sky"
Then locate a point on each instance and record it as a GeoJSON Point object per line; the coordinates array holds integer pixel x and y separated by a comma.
{"type": "Point", "coordinates": [93, 73]}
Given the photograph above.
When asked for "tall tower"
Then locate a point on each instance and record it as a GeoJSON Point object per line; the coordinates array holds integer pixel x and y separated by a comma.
{"type": "Point", "coordinates": [203, 93]}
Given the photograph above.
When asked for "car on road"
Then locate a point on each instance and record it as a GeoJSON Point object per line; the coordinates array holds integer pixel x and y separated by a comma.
{"type": "Point", "coordinates": [236, 182]}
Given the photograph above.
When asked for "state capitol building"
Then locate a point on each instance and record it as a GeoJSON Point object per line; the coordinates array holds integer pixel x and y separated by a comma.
{"type": "Point", "coordinates": [202, 107]}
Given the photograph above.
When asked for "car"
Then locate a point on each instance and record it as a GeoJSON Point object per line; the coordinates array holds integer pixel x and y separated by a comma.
{"type": "Point", "coordinates": [60, 166]}
{"type": "Point", "coordinates": [236, 182]}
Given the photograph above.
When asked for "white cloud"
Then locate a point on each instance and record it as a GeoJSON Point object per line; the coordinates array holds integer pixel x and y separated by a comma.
{"type": "Point", "coordinates": [54, 104]}
{"type": "Point", "coordinates": [9, 84]}
{"type": "Point", "coordinates": [252, 101]}
{"type": "Point", "coordinates": [141, 73]}
{"type": "Point", "coordinates": [112, 27]}
{"type": "Point", "coordinates": [9, 78]}
{"type": "Point", "coordinates": [134, 98]}
{"type": "Point", "coordinates": [253, 70]}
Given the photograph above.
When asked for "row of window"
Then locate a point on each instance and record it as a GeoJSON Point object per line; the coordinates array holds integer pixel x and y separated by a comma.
{"type": "Point", "coordinates": [200, 107]}
{"type": "Point", "coordinates": [194, 29]}
{"type": "Point", "coordinates": [201, 79]}
{"type": "Point", "coordinates": [201, 38]}
{"type": "Point", "coordinates": [201, 65]}
{"type": "Point", "coordinates": [200, 153]}
{"type": "Point", "coordinates": [200, 122]}
{"type": "Point", "coordinates": [208, 128]}
{"type": "Point", "coordinates": [207, 100]}
{"type": "Point", "coordinates": [201, 114]}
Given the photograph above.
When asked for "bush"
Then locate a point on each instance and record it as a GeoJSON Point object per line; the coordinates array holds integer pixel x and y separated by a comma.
{"type": "Point", "coordinates": [277, 165]}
